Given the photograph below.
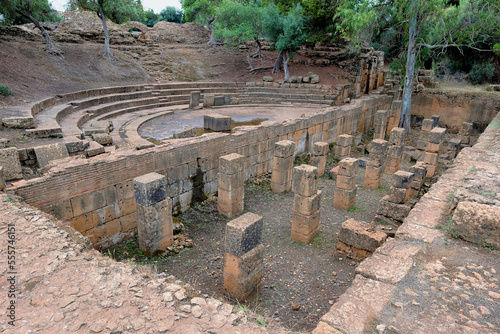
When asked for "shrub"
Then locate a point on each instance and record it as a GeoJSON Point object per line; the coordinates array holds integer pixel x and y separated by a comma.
{"type": "Point", "coordinates": [482, 72]}
{"type": "Point", "coordinates": [5, 91]}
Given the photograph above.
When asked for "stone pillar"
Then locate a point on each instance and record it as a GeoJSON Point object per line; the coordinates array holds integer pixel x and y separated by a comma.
{"type": "Point", "coordinates": [2, 180]}
{"type": "Point", "coordinates": [435, 120]}
{"type": "Point", "coordinates": [343, 147]}
{"type": "Point", "coordinates": [345, 188]}
{"type": "Point", "coordinates": [453, 147]}
{"type": "Point", "coordinates": [318, 159]}
{"type": "Point", "coordinates": [380, 124]}
{"type": "Point", "coordinates": [231, 191]}
{"type": "Point", "coordinates": [281, 177]}
{"type": "Point", "coordinates": [375, 164]}
{"type": "Point", "coordinates": [436, 136]}
{"type": "Point", "coordinates": [306, 202]}
{"type": "Point", "coordinates": [244, 255]}
{"type": "Point", "coordinates": [400, 189]}
{"type": "Point", "coordinates": [465, 132]}
{"type": "Point", "coordinates": [194, 100]}
{"type": "Point", "coordinates": [9, 160]}
{"type": "Point", "coordinates": [424, 134]}
{"type": "Point", "coordinates": [217, 123]}
{"type": "Point", "coordinates": [395, 151]}
{"type": "Point", "coordinates": [394, 115]}
{"type": "Point", "coordinates": [154, 213]}
{"type": "Point", "coordinates": [419, 171]}
{"type": "Point", "coordinates": [208, 100]}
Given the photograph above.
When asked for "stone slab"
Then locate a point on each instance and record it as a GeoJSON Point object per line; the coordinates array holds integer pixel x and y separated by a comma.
{"type": "Point", "coordinates": [75, 145]}
{"type": "Point", "coordinates": [395, 211]}
{"type": "Point", "coordinates": [231, 164]}
{"type": "Point", "coordinates": [243, 266]}
{"type": "Point", "coordinates": [102, 138]}
{"type": "Point", "coordinates": [9, 160]}
{"type": "Point", "coordinates": [348, 167]}
{"type": "Point", "coordinates": [402, 179]}
{"type": "Point", "coordinates": [437, 135]}
{"type": "Point", "coordinates": [397, 136]}
{"type": "Point", "coordinates": [2, 179]}
{"type": "Point", "coordinates": [45, 154]}
{"type": "Point", "coordinates": [284, 148]}
{"type": "Point", "coordinates": [320, 148]}
{"type": "Point", "coordinates": [94, 149]}
{"type": "Point", "coordinates": [358, 234]}
{"type": "Point", "coordinates": [154, 227]}
{"type": "Point", "coordinates": [188, 132]}
{"type": "Point", "coordinates": [306, 205]}
{"type": "Point", "coordinates": [305, 180]}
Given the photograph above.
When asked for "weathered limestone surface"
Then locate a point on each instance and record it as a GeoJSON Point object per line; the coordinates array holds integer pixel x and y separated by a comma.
{"type": "Point", "coordinates": [75, 145]}
{"type": "Point", "coordinates": [154, 213]}
{"type": "Point", "coordinates": [318, 159]}
{"type": "Point", "coordinates": [281, 177]}
{"type": "Point", "coordinates": [305, 217]}
{"type": "Point", "coordinates": [217, 123]}
{"type": "Point", "coordinates": [194, 99]}
{"type": "Point", "coordinates": [344, 196]}
{"type": "Point", "coordinates": [359, 237]}
{"type": "Point", "coordinates": [102, 138]}
{"type": "Point", "coordinates": [188, 132]}
{"type": "Point", "coordinates": [2, 179]}
{"type": "Point", "coordinates": [94, 149]}
{"type": "Point", "coordinates": [343, 148]}
{"type": "Point", "coordinates": [9, 160]}
{"type": "Point", "coordinates": [375, 165]}
{"type": "Point", "coordinates": [381, 118]}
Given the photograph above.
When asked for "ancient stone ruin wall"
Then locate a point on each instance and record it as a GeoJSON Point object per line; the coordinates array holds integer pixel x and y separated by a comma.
{"type": "Point", "coordinates": [454, 110]}
{"type": "Point", "coordinates": [96, 196]}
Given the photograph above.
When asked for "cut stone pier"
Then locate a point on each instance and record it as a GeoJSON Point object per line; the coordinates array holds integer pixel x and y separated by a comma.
{"type": "Point", "coordinates": [194, 100]}
{"type": "Point", "coordinates": [400, 189]}
{"type": "Point", "coordinates": [465, 132]}
{"type": "Point", "coordinates": [217, 123]}
{"type": "Point", "coordinates": [345, 189]}
{"type": "Point", "coordinates": [154, 213]}
{"type": "Point", "coordinates": [343, 147]}
{"type": "Point", "coordinates": [306, 203]}
{"type": "Point", "coordinates": [9, 160]}
{"type": "Point", "coordinates": [318, 159]}
{"type": "Point", "coordinates": [436, 136]}
{"type": "Point", "coordinates": [380, 124]}
{"type": "Point", "coordinates": [244, 255]}
{"type": "Point", "coordinates": [395, 151]}
{"type": "Point", "coordinates": [454, 147]}
{"type": "Point", "coordinates": [281, 177]}
{"type": "Point", "coordinates": [375, 165]}
{"type": "Point", "coordinates": [208, 100]}
{"type": "Point", "coordinates": [427, 126]}
{"type": "Point", "coordinates": [231, 191]}
{"type": "Point", "coordinates": [419, 171]}
{"type": "Point", "coordinates": [188, 132]}
{"type": "Point", "coordinates": [358, 240]}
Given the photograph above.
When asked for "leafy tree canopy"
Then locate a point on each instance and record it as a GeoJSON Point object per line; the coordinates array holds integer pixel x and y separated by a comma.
{"type": "Point", "coordinates": [40, 9]}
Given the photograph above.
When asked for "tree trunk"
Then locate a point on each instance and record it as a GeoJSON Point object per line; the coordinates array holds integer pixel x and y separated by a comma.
{"type": "Point", "coordinates": [49, 46]}
{"type": "Point", "coordinates": [212, 41]}
{"type": "Point", "coordinates": [107, 51]}
{"type": "Point", "coordinates": [277, 63]}
{"type": "Point", "coordinates": [286, 58]}
{"type": "Point", "coordinates": [404, 120]}
{"type": "Point", "coordinates": [258, 53]}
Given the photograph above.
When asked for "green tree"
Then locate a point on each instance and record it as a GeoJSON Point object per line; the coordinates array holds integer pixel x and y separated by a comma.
{"type": "Point", "coordinates": [202, 11]}
{"type": "Point", "coordinates": [21, 11]}
{"type": "Point", "coordinates": [427, 25]}
{"type": "Point", "coordinates": [286, 33]}
{"type": "Point", "coordinates": [171, 14]}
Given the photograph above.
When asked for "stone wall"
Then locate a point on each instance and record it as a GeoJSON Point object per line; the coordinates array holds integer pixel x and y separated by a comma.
{"type": "Point", "coordinates": [454, 110]}
{"type": "Point", "coordinates": [96, 196]}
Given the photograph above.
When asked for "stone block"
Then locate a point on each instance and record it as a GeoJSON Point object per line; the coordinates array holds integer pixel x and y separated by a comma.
{"type": "Point", "coordinates": [431, 158]}
{"type": "Point", "coordinates": [348, 167]}
{"type": "Point", "coordinates": [228, 206]}
{"type": "Point", "coordinates": [281, 177]}
{"type": "Point", "coordinates": [219, 101]}
{"type": "Point", "coordinates": [344, 198]}
{"type": "Point", "coordinates": [427, 125]}
{"type": "Point", "coordinates": [99, 127]}
{"type": "Point", "coordinates": [318, 161]}
{"type": "Point", "coordinates": [422, 145]}
{"type": "Point", "coordinates": [241, 288]}
{"type": "Point", "coordinates": [397, 136]}
{"type": "Point", "coordinates": [74, 145]}
{"type": "Point", "coordinates": [431, 170]}
{"type": "Point", "coordinates": [208, 101]}
{"type": "Point", "coordinates": [94, 149]}
{"type": "Point", "coordinates": [359, 234]}
{"type": "Point", "coordinates": [393, 210]}
{"type": "Point", "coordinates": [378, 147]}
{"type": "Point", "coordinates": [454, 144]}
{"type": "Point", "coordinates": [243, 234]}
{"type": "Point", "coordinates": [217, 123]}
{"type": "Point", "coordinates": [346, 182]}
{"type": "Point", "coordinates": [306, 205]}
{"type": "Point", "coordinates": [344, 140]}
{"type": "Point", "coordinates": [466, 129]}
{"type": "Point", "coordinates": [19, 122]}
{"type": "Point", "coordinates": [194, 99]}
{"type": "Point", "coordinates": [231, 181]}
{"type": "Point", "coordinates": [305, 224]}
{"type": "Point", "coordinates": [231, 164]}
{"type": "Point", "coordinates": [320, 148]}
{"type": "Point", "coordinates": [433, 147]}
{"type": "Point", "coordinates": [227, 99]}
{"type": "Point", "coordinates": [102, 138]}
{"type": "Point", "coordinates": [373, 172]}
{"type": "Point", "coordinates": [340, 152]}
{"type": "Point", "coordinates": [372, 183]}
{"type": "Point", "coordinates": [150, 188]}
{"type": "Point", "coordinates": [394, 152]}
{"type": "Point", "coordinates": [477, 223]}
{"type": "Point", "coordinates": [188, 132]}
{"type": "Point", "coordinates": [304, 238]}
{"type": "Point", "coordinates": [4, 142]}
{"type": "Point", "coordinates": [284, 148]}
{"type": "Point", "coordinates": [154, 227]}
{"type": "Point", "coordinates": [437, 135]}
{"type": "Point", "coordinates": [244, 265]}
{"type": "Point", "coordinates": [305, 180]}
{"type": "Point", "coordinates": [9, 160]}
{"type": "Point", "coordinates": [45, 154]}
{"type": "Point", "coordinates": [402, 179]}
{"type": "Point", "coordinates": [435, 120]}
{"type": "Point", "coordinates": [398, 195]}
{"type": "Point", "coordinates": [3, 185]}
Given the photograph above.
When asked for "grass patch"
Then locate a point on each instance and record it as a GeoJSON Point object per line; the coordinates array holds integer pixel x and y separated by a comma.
{"type": "Point", "coordinates": [5, 91]}
{"type": "Point", "coordinates": [355, 209]}
{"type": "Point", "coordinates": [383, 188]}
